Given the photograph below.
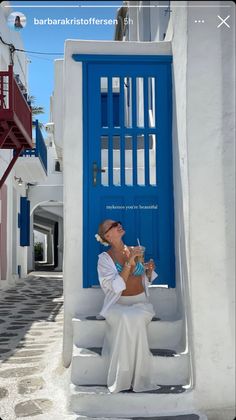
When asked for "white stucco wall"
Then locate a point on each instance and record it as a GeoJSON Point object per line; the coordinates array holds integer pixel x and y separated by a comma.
{"type": "Point", "coordinates": [57, 104]}
{"type": "Point", "coordinates": [133, 30]}
{"type": "Point", "coordinates": [160, 15]}
{"type": "Point", "coordinates": [203, 150]}
{"type": "Point", "coordinates": [52, 188]}
{"type": "Point", "coordinates": [13, 232]}
{"type": "Point", "coordinates": [54, 179]}
{"type": "Point", "coordinates": [149, 23]}
{"type": "Point", "coordinates": [210, 138]}
{"type": "Point", "coordinates": [180, 171]}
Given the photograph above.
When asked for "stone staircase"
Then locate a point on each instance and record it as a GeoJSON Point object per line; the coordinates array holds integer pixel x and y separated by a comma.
{"type": "Point", "coordinates": [90, 368]}
{"type": "Point", "coordinates": [89, 395]}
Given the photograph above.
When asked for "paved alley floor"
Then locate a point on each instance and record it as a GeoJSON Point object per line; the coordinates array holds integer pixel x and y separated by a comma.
{"type": "Point", "coordinates": [32, 379]}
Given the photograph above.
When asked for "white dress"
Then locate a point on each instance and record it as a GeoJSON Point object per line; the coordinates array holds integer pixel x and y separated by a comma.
{"type": "Point", "coordinates": [126, 344]}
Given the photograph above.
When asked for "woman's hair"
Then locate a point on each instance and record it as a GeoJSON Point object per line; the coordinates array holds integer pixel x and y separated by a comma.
{"type": "Point", "coordinates": [101, 231]}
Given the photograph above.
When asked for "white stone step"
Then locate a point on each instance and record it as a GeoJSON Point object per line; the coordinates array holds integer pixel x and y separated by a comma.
{"type": "Point", "coordinates": [90, 368]}
{"type": "Point", "coordinates": [98, 402]}
{"type": "Point", "coordinates": [164, 300]}
{"type": "Point", "coordinates": [176, 416]}
{"type": "Point", "coordinates": [161, 334]}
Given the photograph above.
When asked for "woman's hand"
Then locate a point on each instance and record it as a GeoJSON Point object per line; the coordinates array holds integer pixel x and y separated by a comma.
{"type": "Point", "coordinates": [149, 266]}
{"type": "Point", "coordinates": [132, 253]}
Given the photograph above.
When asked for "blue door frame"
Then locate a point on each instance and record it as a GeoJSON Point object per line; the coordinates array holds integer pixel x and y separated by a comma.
{"type": "Point", "coordinates": [122, 139]}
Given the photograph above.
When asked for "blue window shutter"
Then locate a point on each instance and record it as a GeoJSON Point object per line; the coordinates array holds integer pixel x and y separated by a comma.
{"type": "Point", "coordinates": [24, 221]}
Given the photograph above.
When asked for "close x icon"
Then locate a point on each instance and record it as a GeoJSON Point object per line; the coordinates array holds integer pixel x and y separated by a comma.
{"type": "Point", "coordinates": [223, 21]}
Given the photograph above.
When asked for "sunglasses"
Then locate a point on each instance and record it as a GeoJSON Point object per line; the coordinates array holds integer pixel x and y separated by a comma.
{"type": "Point", "coordinates": [114, 224]}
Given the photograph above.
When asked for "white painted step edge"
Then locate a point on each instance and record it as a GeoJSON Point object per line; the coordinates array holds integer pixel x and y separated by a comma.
{"type": "Point", "coordinates": [99, 402]}
{"type": "Point", "coordinates": [89, 368]}
{"type": "Point", "coordinates": [161, 334]}
{"type": "Point", "coordinates": [201, 417]}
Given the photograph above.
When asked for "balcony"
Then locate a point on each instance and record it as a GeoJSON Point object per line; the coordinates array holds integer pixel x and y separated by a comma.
{"type": "Point", "coordinates": [31, 166]}
{"type": "Point", "coordinates": [15, 114]}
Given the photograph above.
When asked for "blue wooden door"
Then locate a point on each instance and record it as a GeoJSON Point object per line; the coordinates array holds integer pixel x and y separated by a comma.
{"type": "Point", "coordinates": [127, 155]}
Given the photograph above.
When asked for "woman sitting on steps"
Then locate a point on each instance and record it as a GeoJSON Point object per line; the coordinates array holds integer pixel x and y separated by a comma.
{"type": "Point", "coordinates": [124, 280]}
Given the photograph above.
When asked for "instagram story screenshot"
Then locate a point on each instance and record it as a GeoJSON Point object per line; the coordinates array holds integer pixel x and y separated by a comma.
{"type": "Point", "coordinates": [117, 210]}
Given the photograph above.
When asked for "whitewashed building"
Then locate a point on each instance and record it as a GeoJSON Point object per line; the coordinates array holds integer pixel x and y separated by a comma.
{"type": "Point", "coordinates": [13, 256]}
{"type": "Point", "coordinates": [161, 98]}
{"type": "Point", "coordinates": [31, 180]}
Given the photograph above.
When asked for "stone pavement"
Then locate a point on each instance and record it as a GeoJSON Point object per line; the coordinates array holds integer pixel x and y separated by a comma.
{"type": "Point", "coordinates": [32, 379]}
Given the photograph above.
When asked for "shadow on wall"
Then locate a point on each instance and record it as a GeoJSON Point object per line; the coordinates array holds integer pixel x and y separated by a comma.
{"type": "Point", "coordinates": [180, 179]}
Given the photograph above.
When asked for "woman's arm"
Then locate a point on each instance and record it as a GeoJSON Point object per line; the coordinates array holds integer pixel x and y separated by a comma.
{"type": "Point", "coordinates": [131, 254]}
{"type": "Point", "coordinates": [109, 278]}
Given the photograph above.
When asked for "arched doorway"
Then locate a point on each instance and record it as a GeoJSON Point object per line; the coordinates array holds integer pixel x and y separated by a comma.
{"type": "Point", "coordinates": [46, 229]}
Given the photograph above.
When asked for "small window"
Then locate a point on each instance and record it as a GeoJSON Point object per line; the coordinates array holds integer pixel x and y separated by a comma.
{"type": "Point", "coordinates": [57, 166]}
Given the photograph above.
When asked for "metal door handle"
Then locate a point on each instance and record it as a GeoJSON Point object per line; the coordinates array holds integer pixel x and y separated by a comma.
{"type": "Point", "coordinates": [95, 172]}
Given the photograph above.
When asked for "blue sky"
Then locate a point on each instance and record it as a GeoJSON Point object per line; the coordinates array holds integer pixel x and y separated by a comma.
{"type": "Point", "coordinates": [50, 38]}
